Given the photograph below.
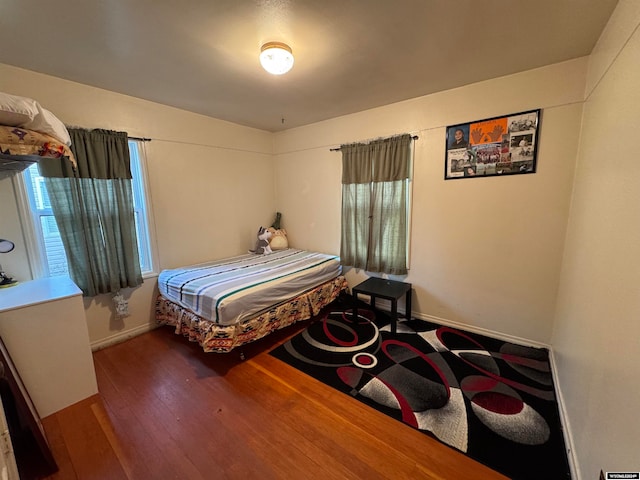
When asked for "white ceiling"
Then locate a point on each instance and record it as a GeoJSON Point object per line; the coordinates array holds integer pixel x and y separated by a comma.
{"type": "Point", "coordinates": [351, 55]}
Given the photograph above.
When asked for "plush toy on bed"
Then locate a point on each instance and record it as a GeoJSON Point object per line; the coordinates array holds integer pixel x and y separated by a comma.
{"type": "Point", "coordinates": [262, 245]}
{"type": "Point", "coordinates": [278, 239]}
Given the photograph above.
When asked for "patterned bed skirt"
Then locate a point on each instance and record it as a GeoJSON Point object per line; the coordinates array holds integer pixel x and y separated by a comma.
{"type": "Point", "coordinates": [224, 338]}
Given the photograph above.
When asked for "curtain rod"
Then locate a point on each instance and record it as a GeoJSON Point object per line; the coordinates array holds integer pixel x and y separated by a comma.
{"type": "Point", "coordinates": [140, 139]}
{"type": "Point", "coordinates": [413, 137]}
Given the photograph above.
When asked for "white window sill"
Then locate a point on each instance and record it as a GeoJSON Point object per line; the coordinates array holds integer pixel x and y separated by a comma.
{"type": "Point", "coordinates": [146, 275]}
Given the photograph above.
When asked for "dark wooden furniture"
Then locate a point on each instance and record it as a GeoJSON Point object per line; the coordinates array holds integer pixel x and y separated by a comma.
{"type": "Point", "coordinates": [33, 457]}
{"type": "Point", "coordinates": [390, 290]}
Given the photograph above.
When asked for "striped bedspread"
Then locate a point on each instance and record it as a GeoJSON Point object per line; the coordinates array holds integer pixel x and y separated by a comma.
{"type": "Point", "coordinates": [229, 290]}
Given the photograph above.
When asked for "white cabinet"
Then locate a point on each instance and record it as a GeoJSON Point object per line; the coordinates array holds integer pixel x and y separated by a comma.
{"type": "Point", "coordinates": [43, 325]}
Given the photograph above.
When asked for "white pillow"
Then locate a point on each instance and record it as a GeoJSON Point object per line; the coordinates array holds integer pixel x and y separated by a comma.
{"type": "Point", "coordinates": [15, 110]}
{"type": "Point", "coordinates": [47, 122]}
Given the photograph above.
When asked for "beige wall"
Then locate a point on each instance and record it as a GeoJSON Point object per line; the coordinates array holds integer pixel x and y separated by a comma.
{"type": "Point", "coordinates": [597, 326]}
{"type": "Point", "coordinates": [485, 252]}
{"type": "Point", "coordinates": [211, 184]}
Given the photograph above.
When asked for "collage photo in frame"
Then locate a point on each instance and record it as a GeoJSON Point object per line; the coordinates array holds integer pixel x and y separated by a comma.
{"type": "Point", "coordinates": [505, 145]}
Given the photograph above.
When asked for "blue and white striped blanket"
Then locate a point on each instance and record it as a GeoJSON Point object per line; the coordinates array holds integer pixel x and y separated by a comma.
{"type": "Point", "coordinates": [229, 290]}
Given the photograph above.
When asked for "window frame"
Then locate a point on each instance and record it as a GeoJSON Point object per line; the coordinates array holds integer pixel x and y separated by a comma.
{"type": "Point", "coordinates": [143, 209]}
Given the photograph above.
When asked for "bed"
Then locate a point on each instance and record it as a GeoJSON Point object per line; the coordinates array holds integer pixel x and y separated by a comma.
{"type": "Point", "coordinates": [226, 303]}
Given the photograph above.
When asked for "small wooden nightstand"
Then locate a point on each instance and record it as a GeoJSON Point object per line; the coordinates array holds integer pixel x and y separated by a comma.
{"type": "Point", "coordinates": [390, 290]}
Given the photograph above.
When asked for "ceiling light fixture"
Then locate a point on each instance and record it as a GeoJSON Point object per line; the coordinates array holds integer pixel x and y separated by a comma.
{"type": "Point", "coordinates": [276, 58]}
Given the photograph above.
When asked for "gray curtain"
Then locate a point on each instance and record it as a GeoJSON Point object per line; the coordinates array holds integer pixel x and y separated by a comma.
{"type": "Point", "coordinates": [374, 204]}
{"type": "Point", "coordinates": [93, 207]}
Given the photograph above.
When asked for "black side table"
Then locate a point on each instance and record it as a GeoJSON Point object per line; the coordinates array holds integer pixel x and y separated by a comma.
{"type": "Point", "coordinates": [387, 289]}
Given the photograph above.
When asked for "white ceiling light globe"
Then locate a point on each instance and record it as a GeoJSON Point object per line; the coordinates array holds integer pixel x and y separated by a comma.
{"type": "Point", "coordinates": [276, 58]}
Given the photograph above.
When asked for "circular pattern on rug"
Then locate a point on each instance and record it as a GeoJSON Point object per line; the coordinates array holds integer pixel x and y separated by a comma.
{"type": "Point", "coordinates": [501, 409]}
{"type": "Point", "coordinates": [336, 340]}
{"type": "Point", "coordinates": [364, 360]}
{"type": "Point", "coordinates": [333, 340]}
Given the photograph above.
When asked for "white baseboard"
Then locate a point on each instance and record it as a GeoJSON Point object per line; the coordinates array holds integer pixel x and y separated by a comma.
{"type": "Point", "coordinates": [121, 336]}
{"type": "Point", "coordinates": [564, 420]}
{"type": "Point", "coordinates": [482, 331]}
{"type": "Point", "coordinates": [386, 306]}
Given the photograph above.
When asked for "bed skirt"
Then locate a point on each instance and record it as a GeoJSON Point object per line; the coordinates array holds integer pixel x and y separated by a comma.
{"type": "Point", "coordinates": [224, 338]}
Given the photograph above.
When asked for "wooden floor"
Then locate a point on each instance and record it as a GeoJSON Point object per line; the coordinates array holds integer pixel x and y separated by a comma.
{"type": "Point", "coordinates": [167, 410]}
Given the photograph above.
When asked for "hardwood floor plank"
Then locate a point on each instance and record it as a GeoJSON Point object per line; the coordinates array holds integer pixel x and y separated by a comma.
{"type": "Point", "coordinates": [313, 432]}
{"type": "Point", "coordinates": [173, 431]}
{"type": "Point", "coordinates": [58, 447]}
{"type": "Point", "coordinates": [143, 437]}
{"type": "Point", "coordinates": [132, 468]}
{"type": "Point", "coordinates": [89, 450]}
{"type": "Point", "coordinates": [245, 422]}
{"type": "Point", "coordinates": [270, 433]}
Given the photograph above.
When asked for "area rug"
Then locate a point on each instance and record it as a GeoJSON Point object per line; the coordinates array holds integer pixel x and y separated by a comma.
{"type": "Point", "coordinates": [490, 399]}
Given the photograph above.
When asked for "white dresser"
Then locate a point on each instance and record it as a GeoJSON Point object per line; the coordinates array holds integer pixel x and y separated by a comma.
{"type": "Point", "coordinates": [43, 325]}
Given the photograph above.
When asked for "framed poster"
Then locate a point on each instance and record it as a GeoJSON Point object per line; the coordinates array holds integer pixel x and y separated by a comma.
{"type": "Point", "coordinates": [506, 145]}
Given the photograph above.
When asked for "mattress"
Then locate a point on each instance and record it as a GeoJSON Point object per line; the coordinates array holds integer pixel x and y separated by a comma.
{"type": "Point", "coordinates": [229, 290]}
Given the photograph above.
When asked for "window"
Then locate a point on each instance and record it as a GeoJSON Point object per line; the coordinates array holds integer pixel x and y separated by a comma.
{"type": "Point", "coordinates": [51, 256]}
{"type": "Point", "coordinates": [392, 204]}
{"type": "Point", "coordinates": [376, 204]}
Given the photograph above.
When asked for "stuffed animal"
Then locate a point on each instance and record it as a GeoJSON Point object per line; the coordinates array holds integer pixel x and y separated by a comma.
{"type": "Point", "coordinates": [278, 235]}
{"type": "Point", "coordinates": [262, 245]}
{"type": "Point", "coordinates": [278, 239]}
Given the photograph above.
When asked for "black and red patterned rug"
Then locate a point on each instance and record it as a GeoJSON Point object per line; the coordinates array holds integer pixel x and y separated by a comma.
{"type": "Point", "coordinates": [490, 399]}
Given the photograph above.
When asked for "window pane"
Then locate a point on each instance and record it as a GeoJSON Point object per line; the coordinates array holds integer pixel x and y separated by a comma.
{"type": "Point", "coordinates": [54, 251]}
{"type": "Point", "coordinates": [139, 205]}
